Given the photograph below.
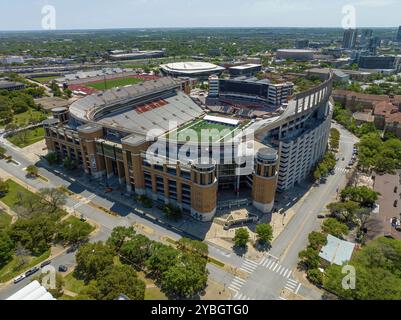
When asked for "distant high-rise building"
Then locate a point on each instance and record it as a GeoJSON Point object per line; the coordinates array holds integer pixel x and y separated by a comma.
{"type": "Point", "coordinates": [301, 44]}
{"type": "Point", "coordinates": [366, 35]}
{"type": "Point", "coordinates": [349, 38]}
{"type": "Point", "coordinates": [373, 44]}
{"type": "Point", "coordinates": [399, 34]}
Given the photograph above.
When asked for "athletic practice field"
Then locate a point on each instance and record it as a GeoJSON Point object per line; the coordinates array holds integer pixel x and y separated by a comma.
{"type": "Point", "coordinates": [112, 83]}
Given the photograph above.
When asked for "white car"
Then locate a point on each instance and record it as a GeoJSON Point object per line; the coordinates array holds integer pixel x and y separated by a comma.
{"type": "Point", "coordinates": [19, 278]}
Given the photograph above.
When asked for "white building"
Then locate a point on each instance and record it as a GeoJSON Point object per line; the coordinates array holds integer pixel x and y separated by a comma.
{"type": "Point", "coordinates": [11, 59]}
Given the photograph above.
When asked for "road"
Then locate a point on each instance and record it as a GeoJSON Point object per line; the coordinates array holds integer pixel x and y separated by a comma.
{"type": "Point", "coordinates": [265, 278]}
{"type": "Point", "coordinates": [268, 278]}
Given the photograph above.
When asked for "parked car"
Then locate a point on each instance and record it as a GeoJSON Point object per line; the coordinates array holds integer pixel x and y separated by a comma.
{"type": "Point", "coordinates": [19, 278]}
{"type": "Point", "coordinates": [46, 263]}
{"type": "Point", "coordinates": [62, 268]}
{"type": "Point", "coordinates": [321, 216]}
{"type": "Point", "coordinates": [31, 271]}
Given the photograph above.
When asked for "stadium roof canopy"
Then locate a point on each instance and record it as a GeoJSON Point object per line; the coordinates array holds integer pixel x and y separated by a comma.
{"type": "Point", "coordinates": [191, 68]}
{"type": "Point", "coordinates": [231, 122]}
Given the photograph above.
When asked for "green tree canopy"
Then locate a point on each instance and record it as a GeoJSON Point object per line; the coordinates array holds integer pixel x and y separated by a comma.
{"type": "Point", "coordinates": [335, 228]}
{"type": "Point", "coordinates": [264, 232]}
{"type": "Point", "coordinates": [136, 250]}
{"type": "Point", "coordinates": [6, 248]}
{"type": "Point", "coordinates": [92, 259]}
{"type": "Point", "coordinates": [119, 235]}
{"type": "Point", "coordinates": [241, 237]}
{"type": "Point", "coordinates": [117, 280]}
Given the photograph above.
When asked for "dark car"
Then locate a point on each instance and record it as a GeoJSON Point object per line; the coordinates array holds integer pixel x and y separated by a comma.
{"type": "Point", "coordinates": [62, 268]}
{"type": "Point", "coordinates": [321, 216]}
{"type": "Point", "coordinates": [46, 263]}
{"type": "Point", "coordinates": [31, 271]}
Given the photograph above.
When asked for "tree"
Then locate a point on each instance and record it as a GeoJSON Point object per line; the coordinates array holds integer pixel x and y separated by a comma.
{"type": "Point", "coordinates": [264, 232]}
{"type": "Point", "coordinates": [117, 280]}
{"type": "Point", "coordinates": [22, 255]}
{"type": "Point", "coordinates": [317, 174]}
{"type": "Point", "coordinates": [136, 250]}
{"type": "Point", "coordinates": [335, 228]}
{"type": "Point", "coordinates": [162, 257]}
{"type": "Point", "coordinates": [32, 170]}
{"type": "Point", "coordinates": [119, 235]}
{"type": "Point", "coordinates": [345, 211]}
{"type": "Point", "coordinates": [53, 198]}
{"type": "Point", "coordinates": [34, 234]}
{"type": "Point", "coordinates": [52, 158]}
{"type": "Point", "coordinates": [309, 258]}
{"type": "Point", "coordinates": [6, 248]}
{"type": "Point", "coordinates": [193, 246]}
{"type": "Point", "coordinates": [241, 237]}
{"type": "Point", "coordinates": [4, 188]}
{"type": "Point", "coordinates": [92, 259]}
{"type": "Point", "coordinates": [73, 233]}
{"type": "Point", "coordinates": [317, 240]}
{"type": "Point", "coordinates": [187, 278]}
{"type": "Point", "coordinates": [69, 164]}
{"type": "Point", "coordinates": [172, 212]}
{"type": "Point", "coordinates": [27, 205]}
{"type": "Point", "coordinates": [315, 276]}
{"type": "Point", "coordinates": [2, 152]}
{"type": "Point", "coordinates": [365, 196]}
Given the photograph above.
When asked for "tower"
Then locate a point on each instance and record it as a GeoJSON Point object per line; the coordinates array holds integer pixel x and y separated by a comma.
{"type": "Point", "coordinates": [349, 38]}
{"type": "Point", "coordinates": [265, 179]}
{"type": "Point", "coordinates": [203, 191]}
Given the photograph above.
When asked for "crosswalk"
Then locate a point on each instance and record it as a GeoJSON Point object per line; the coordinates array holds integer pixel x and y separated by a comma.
{"type": "Point", "coordinates": [341, 170]}
{"type": "Point", "coordinates": [84, 201]}
{"type": "Point", "coordinates": [292, 286]}
{"type": "Point", "coordinates": [236, 284]}
{"type": "Point", "coordinates": [275, 266]}
{"type": "Point", "coordinates": [241, 296]}
{"type": "Point", "coordinates": [248, 266]}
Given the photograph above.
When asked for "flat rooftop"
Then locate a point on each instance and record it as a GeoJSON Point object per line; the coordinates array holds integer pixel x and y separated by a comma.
{"type": "Point", "coordinates": [246, 66]}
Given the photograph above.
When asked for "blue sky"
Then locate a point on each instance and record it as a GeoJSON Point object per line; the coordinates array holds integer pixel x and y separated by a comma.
{"type": "Point", "coordinates": [94, 14]}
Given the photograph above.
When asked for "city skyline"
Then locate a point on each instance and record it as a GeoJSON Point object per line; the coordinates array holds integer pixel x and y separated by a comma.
{"type": "Point", "coordinates": [27, 15]}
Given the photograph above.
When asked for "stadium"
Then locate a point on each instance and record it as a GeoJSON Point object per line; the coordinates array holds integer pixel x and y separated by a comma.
{"type": "Point", "coordinates": [154, 140]}
{"type": "Point", "coordinates": [200, 70]}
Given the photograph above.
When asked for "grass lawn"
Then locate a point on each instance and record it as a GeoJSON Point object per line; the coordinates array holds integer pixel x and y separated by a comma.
{"type": "Point", "coordinates": [45, 79]}
{"type": "Point", "coordinates": [10, 198]}
{"type": "Point", "coordinates": [27, 138]}
{"type": "Point", "coordinates": [5, 220]}
{"type": "Point", "coordinates": [74, 221]}
{"type": "Point", "coordinates": [114, 83]}
{"type": "Point", "coordinates": [25, 117]}
{"type": "Point", "coordinates": [72, 284]}
{"type": "Point", "coordinates": [12, 269]}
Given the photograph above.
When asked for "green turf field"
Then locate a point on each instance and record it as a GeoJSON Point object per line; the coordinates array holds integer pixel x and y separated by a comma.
{"type": "Point", "coordinates": [121, 82]}
{"type": "Point", "coordinates": [199, 125]}
{"type": "Point", "coordinates": [45, 79]}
